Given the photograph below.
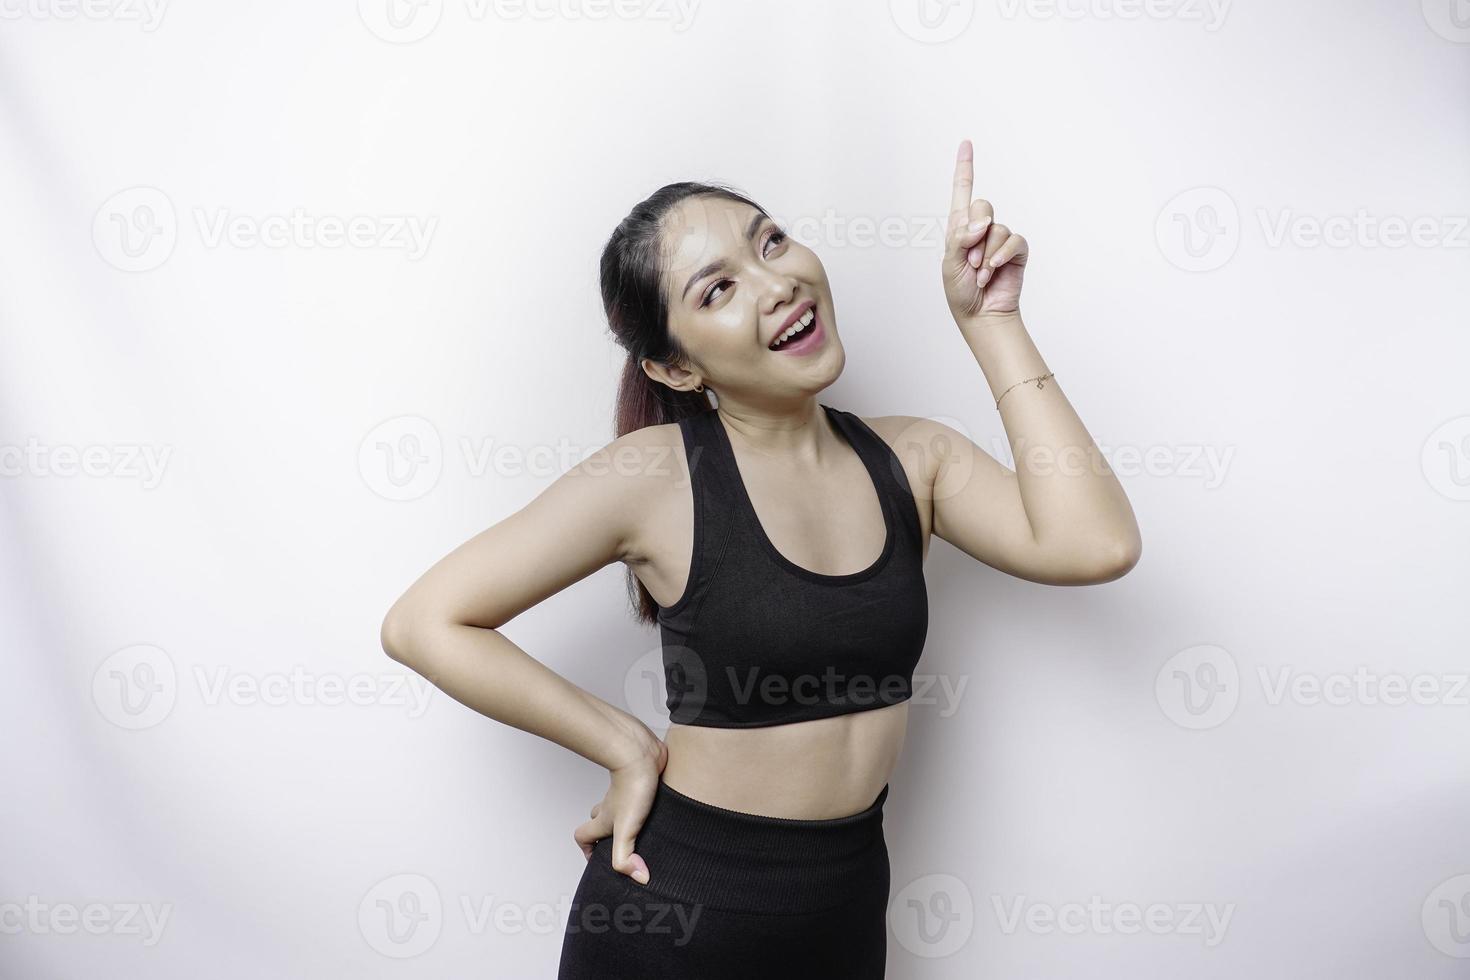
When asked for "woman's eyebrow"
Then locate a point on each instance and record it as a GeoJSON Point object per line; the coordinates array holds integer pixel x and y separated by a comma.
{"type": "Point", "coordinates": [718, 265]}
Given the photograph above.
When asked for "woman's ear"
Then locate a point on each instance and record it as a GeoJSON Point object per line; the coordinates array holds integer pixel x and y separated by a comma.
{"type": "Point", "coordinates": [678, 378]}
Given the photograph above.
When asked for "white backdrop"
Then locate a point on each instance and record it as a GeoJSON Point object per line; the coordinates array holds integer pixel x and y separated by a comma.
{"type": "Point", "coordinates": [297, 297]}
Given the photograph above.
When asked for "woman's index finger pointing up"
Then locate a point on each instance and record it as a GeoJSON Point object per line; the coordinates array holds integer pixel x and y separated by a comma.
{"type": "Point", "coordinates": [964, 183]}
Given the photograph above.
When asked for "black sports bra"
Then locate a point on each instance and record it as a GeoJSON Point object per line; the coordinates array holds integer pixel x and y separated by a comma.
{"type": "Point", "coordinates": [758, 640]}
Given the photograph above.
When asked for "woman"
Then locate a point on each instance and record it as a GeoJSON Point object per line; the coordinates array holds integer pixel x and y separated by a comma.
{"type": "Point", "coordinates": [779, 543]}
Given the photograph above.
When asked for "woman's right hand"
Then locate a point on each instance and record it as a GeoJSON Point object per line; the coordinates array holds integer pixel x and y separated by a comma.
{"type": "Point", "coordinates": [621, 812]}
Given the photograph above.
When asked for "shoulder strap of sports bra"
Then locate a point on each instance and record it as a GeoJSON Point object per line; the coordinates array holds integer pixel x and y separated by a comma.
{"type": "Point", "coordinates": [710, 468]}
{"type": "Point", "coordinates": [714, 506]}
{"type": "Point", "coordinates": [893, 479]}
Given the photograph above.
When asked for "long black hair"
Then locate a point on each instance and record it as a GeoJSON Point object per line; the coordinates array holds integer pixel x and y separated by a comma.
{"type": "Point", "coordinates": [638, 316]}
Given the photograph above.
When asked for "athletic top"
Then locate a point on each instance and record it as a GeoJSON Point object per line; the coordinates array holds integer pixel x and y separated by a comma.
{"type": "Point", "coordinates": [758, 640]}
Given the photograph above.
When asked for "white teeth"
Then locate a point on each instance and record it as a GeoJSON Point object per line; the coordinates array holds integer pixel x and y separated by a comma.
{"type": "Point", "coordinates": [796, 327]}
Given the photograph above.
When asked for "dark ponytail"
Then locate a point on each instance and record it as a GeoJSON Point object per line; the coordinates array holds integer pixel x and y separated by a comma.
{"type": "Point", "coordinates": [638, 317]}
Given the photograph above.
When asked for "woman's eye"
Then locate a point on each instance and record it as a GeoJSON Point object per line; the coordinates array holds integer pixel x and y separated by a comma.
{"type": "Point", "coordinates": [777, 238]}
{"type": "Point", "coordinates": [709, 294]}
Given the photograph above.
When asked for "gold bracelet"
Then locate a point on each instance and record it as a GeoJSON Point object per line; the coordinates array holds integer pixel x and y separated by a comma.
{"type": "Point", "coordinates": [1040, 383]}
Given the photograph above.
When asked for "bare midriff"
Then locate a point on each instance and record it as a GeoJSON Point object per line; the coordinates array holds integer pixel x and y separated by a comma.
{"type": "Point", "coordinates": [805, 770]}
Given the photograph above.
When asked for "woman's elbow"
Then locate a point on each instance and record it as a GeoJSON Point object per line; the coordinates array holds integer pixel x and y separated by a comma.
{"type": "Point", "coordinates": [1116, 560]}
{"type": "Point", "coordinates": [399, 634]}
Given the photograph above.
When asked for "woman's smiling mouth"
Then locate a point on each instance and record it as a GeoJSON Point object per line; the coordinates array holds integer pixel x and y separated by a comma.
{"type": "Point", "coordinates": [803, 335]}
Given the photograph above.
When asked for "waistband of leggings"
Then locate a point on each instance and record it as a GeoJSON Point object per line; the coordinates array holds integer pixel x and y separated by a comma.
{"type": "Point", "coordinates": [702, 853]}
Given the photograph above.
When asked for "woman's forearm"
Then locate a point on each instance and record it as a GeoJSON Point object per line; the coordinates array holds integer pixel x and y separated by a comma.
{"type": "Point", "coordinates": [1067, 488]}
{"type": "Point", "coordinates": [482, 669]}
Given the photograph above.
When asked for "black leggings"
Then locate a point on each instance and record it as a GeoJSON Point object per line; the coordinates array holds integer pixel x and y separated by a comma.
{"type": "Point", "coordinates": [735, 895]}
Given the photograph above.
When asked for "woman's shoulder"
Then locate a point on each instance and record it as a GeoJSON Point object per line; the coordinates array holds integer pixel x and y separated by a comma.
{"type": "Point", "coordinates": [919, 443]}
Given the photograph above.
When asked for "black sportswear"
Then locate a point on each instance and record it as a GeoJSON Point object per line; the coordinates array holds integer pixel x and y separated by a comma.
{"type": "Point", "coordinates": [758, 640]}
{"type": "Point", "coordinates": [735, 896]}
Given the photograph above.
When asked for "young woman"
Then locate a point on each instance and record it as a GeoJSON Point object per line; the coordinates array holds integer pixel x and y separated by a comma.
{"type": "Point", "coordinates": [778, 542]}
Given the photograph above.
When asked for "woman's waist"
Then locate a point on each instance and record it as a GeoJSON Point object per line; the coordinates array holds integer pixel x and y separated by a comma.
{"type": "Point", "coordinates": [699, 852]}
{"type": "Point", "coordinates": [808, 770]}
